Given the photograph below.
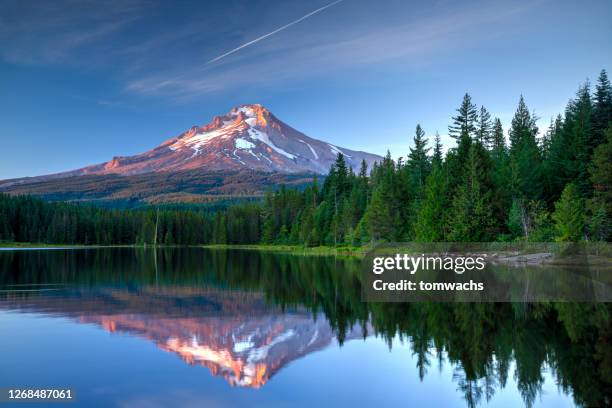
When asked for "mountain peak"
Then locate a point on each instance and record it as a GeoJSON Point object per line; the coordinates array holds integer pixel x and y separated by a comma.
{"type": "Point", "coordinates": [248, 137]}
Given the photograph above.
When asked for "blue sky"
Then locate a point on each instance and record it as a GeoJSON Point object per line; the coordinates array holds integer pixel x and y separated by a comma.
{"type": "Point", "coordinates": [82, 81]}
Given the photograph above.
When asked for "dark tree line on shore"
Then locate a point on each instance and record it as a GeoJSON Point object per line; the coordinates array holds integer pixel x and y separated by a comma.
{"type": "Point", "coordinates": [485, 188]}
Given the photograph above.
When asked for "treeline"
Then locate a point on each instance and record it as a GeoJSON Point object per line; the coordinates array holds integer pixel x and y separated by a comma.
{"type": "Point", "coordinates": [485, 188]}
{"type": "Point", "coordinates": [555, 187]}
{"type": "Point", "coordinates": [29, 219]}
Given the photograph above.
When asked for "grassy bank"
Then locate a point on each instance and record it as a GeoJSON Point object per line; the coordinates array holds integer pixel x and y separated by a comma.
{"type": "Point", "coordinates": [297, 249]}
{"type": "Point", "coordinates": [290, 249]}
{"type": "Point", "coordinates": [43, 245]}
{"type": "Point", "coordinates": [36, 245]}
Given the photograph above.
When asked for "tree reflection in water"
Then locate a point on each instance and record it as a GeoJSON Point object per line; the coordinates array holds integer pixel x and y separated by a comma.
{"type": "Point", "coordinates": [484, 342]}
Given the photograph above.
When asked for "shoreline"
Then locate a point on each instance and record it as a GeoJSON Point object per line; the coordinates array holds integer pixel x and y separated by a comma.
{"type": "Point", "coordinates": [598, 255]}
{"type": "Point", "coordinates": [292, 249]}
{"type": "Point", "coordinates": [295, 249]}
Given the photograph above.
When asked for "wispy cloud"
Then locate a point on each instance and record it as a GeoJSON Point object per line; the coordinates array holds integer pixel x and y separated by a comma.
{"type": "Point", "coordinates": [410, 43]}
{"type": "Point", "coordinates": [148, 55]}
{"type": "Point", "coordinates": [271, 33]}
{"type": "Point", "coordinates": [53, 32]}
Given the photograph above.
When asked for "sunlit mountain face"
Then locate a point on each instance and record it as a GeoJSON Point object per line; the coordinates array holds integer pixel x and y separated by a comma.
{"type": "Point", "coordinates": [247, 137]}
{"type": "Point", "coordinates": [234, 334]}
{"type": "Point", "coordinates": [244, 152]}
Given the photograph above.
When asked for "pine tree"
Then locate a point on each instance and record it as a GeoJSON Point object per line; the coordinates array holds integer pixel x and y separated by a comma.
{"type": "Point", "coordinates": [498, 141]}
{"type": "Point", "coordinates": [602, 109]}
{"type": "Point", "coordinates": [464, 123]}
{"type": "Point", "coordinates": [582, 133]}
{"type": "Point", "coordinates": [525, 161]}
{"type": "Point", "coordinates": [483, 128]}
{"type": "Point", "coordinates": [549, 146]}
{"type": "Point", "coordinates": [431, 221]}
{"type": "Point", "coordinates": [571, 147]}
{"type": "Point", "coordinates": [523, 128]}
{"type": "Point", "coordinates": [342, 173]}
{"type": "Point", "coordinates": [471, 215]}
{"type": "Point", "coordinates": [501, 175]}
{"type": "Point", "coordinates": [569, 215]}
{"type": "Point", "coordinates": [381, 217]}
{"type": "Point", "coordinates": [378, 216]}
{"type": "Point", "coordinates": [418, 162]}
{"type": "Point", "coordinates": [363, 170]}
{"type": "Point", "coordinates": [600, 225]}
{"type": "Point", "coordinates": [437, 158]}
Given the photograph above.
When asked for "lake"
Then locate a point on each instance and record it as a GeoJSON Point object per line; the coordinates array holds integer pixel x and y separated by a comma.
{"type": "Point", "coordinates": [222, 328]}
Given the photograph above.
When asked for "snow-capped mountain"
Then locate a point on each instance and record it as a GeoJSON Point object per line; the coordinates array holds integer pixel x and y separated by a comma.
{"type": "Point", "coordinates": [247, 137]}
{"type": "Point", "coordinates": [244, 153]}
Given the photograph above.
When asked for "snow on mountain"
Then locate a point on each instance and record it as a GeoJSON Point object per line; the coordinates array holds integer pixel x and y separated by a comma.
{"type": "Point", "coordinates": [247, 137]}
{"type": "Point", "coordinates": [245, 152]}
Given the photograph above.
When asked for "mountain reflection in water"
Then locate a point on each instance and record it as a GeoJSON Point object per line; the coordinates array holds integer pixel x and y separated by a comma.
{"type": "Point", "coordinates": [246, 314]}
{"type": "Point", "coordinates": [232, 333]}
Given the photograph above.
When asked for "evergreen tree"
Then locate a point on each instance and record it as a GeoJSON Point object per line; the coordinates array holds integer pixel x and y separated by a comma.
{"type": "Point", "coordinates": [432, 216]}
{"type": "Point", "coordinates": [498, 142]}
{"type": "Point", "coordinates": [602, 109]}
{"type": "Point", "coordinates": [418, 162]}
{"type": "Point", "coordinates": [363, 170]}
{"type": "Point", "coordinates": [471, 218]}
{"type": "Point", "coordinates": [437, 158]}
{"type": "Point", "coordinates": [569, 215]}
{"type": "Point", "coordinates": [378, 216]}
{"type": "Point", "coordinates": [464, 123]}
{"type": "Point", "coordinates": [525, 161]}
{"type": "Point", "coordinates": [483, 129]}
{"type": "Point", "coordinates": [523, 128]}
{"type": "Point", "coordinates": [600, 225]}
{"type": "Point", "coordinates": [550, 164]}
{"type": "Point", "coordinates": [571, 147]}
{"type": "Point", "coordinates": [582, 134]}
{"type": "Point", "coordinates": [501, 175]}
{"type": "Point", "coordinates": [383, 214]}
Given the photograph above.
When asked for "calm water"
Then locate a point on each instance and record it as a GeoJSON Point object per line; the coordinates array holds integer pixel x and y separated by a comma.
{"type": "Point", "coordinates": [196, 327]}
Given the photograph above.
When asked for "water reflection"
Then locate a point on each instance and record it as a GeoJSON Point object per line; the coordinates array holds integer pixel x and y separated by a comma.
{"type": "Point", "coordinates": [232, 333]}
{"type": "Point", "coordinates": [245, 315]}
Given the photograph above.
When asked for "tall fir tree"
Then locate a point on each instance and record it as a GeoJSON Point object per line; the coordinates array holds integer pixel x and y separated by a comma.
{"type": "Point", "coordinates": [600, 225]}
{"type": "Point", "coordinates": [379, 216]}
{"type": "Point", "coordinates": [471, 214]}
{"type": "Point", "coordinates": [582, 133]}
{"type": "Point", "coordinates": [569, 215]}
{"type": "Point", "coordinates": [431, 223]}
{"type": "Point", "coordinates": [501, 174]}
{"type": "Point", "coordinates": [437, 157]}
{"type": "Point", "coordinates": [602, 108]}
{"type": "Point", "coordinates": [525, 160]}
{"type": "Point", "coordinates": [464, 123]}
{"type": "Point", "coordinates": [484, 127]}
{"type": "Point", "coordinates": [550, 145]}
{"type": "Point", "coordinates": [498, 141]}
{"type": "Point", "coordinates": [418, 163]}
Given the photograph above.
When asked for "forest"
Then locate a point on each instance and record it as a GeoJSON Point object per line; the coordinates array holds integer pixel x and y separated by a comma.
{"type": "Point", "coordinates": [535, 186]}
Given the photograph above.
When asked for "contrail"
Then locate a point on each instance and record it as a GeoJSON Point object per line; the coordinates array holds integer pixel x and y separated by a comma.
{"type": "Point", "coordinates": [312, 13]}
